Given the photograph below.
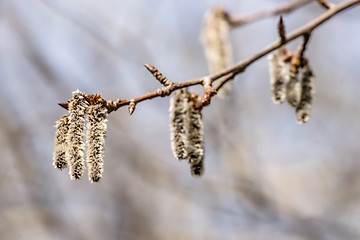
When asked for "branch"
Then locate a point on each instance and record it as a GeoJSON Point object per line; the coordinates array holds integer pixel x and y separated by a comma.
{"type": "Point", "coordinates": [325, 4]}
{"type": "Point", "coordinates": [239, 67]}
{"type": "Point", "coordinates": [284, 8]}
{"type": "Point", "coordinates": [305, 29]}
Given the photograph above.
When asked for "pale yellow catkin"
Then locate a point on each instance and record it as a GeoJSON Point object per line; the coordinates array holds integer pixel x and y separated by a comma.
{"type": "Point", "coordinates": [76, 147]}
{"type": "Point", "coordinates": [95, 140]}
{"type": "Point", "coordinates": [216, 43]}
{"type": "Point", "coordinates": [178, 123]}
{"type": "Point", "coordinates": [307, 94]}
{"type": "Point", "coordinates": [60, 144]}
{"type": "Point", "coordinates": [195, 139]}
{"type": "Point", "coordinates": [279, 77]}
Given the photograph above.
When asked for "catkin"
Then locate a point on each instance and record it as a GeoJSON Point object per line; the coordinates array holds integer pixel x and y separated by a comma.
{"type": "Point", "coordinates": [197, 170]}
{"type": "Point", "coordinates": [95, 140]}
{"type": "Point", "coordinates": [279, 76]}
{"type": "Point", "coordinates": [293, 89]}
{"type": "Point", "coordinates": [196, 139]}
{"type": "Point", "coordinates": [307, 86]}
{"type": "Point", "coordinates": [216, 43]}
{"type": "Point", "coordinates": [60, 144]}
{"type": "Point", "coordinates": [178, 123]}
{"type": "Point", "coordinates": [75, 136]}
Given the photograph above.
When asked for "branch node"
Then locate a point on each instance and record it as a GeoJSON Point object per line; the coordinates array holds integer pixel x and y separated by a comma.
{"type": "Point", "coordinates": [209, 91]}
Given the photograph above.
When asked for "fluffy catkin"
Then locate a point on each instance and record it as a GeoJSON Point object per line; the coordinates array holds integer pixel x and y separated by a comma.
{"type": "Point", "coordinates": [60, 144]}
{"type": "Point", "coordinates": [196, 140]}
{"type": "Point", "coordinates": [307, 93]}
{"type": "Point", "coordinates": [279, 76]}
{"type": "Point", "coordinates": [197, 169]}
{"type": "Point", "coordinates": [75, 136]}
{"type": "Point", "coordinates": [215, 41]}
{"type": "Point", "coordinates": [293, 89]}
{"type": "Point", "coordinates": [95, 140]}
{"type": "Point", "coordinates": [178, 123]}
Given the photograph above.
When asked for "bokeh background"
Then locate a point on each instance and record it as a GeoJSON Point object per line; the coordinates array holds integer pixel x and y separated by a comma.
{"type": "Point", "coordinates": [266, 177]}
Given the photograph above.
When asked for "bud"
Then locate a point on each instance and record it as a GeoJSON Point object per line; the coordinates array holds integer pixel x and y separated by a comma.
{"type": "Point", "coordinates": [307, 85]}
{"type": "Point", "coordinates": [95, 140]}
{"type": "Point", "coordinates": [216, 43]}
{"type": "Point", "coordinates": [178, 123]}
{"type": "Point", "coordinates": [195, 135]}
{"type": "Point", "coordinates": [75, 136]}
{"type": "Point", "coordinates": [279, 76]}
{"type": "Point", "coordinates": [60, 145]}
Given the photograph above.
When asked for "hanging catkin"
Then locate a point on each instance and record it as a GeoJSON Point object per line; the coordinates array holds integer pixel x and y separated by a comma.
{"type": "Point", "coordinates": [196, 140]}
{"type": "Point", "coordinates": [95, 140]}
{"type": "Point", "coordinates": [307, 86]}
{"type": "Point", "coordinates": [197, 169]}
{"type": "Point", "coordinates": [75, 136]}
{"type": "Point", "coordinates": [60, 144]}
{"type": "Point", "coordinates": [216, 43]}
{"type": "Point", "coordinates": [293, 89]}
{"type": "Point", "coordinates": [279, 76]}
{"type": "Point", "coordinates": [178, 123]}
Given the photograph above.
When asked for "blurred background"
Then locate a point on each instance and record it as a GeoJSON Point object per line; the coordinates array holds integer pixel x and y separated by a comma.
{"type": "Point", "coordinates": [266, 177]}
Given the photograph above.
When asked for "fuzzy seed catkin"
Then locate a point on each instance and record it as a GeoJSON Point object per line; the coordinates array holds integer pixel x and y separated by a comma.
{"type": "Point", "coordinates": [216, 43]}
{"type": "Point", "coordinates": [307, 86]}
{"type": "Point", "coordinates": [293, 89]}
{"type": "Point", "coordinates": [279, 76]}
{"type": "Point", "coordinates": [95, 140]}
{"type": "Point", "coordinates": [75, 136]}
{"type": "Point", "coordinates": [195, 137]}
{"type": "Point", "coordinates": [60, 144]}
{"type": "Point", "coordinates": [178, 123]}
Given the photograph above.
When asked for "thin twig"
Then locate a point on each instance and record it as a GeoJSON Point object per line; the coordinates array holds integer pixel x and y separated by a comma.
{"type": "Point", "coordinates": [284, 8]}
{"type": "Point", "coordinates": [239, 67]}
{"type": "Point", "coordinates": [325, 4]}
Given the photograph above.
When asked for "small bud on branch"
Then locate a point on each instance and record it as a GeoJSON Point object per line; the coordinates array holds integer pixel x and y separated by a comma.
{"type": "Point", "coordinates": [132, 105]}
{"type": "Point", "coordinates": [281, 31]}
{"type": "Point", "coordinates": [158, 75]}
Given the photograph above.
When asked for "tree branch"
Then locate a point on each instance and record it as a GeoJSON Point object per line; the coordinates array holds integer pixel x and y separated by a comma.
{"type": "Point", "coordinates": [284, 8]}
{"type": "Point", "coordinates": [239, 67]}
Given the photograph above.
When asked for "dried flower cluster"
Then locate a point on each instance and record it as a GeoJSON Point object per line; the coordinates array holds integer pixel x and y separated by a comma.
{"type": "Point", "coordinates": [186, 130]}
{"type": "Point", "coordinates": [292, 79]}
{"type": "Point", "coordinates": [69, 138]}
{"type": "Point", "coordinates": [216, 43]}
